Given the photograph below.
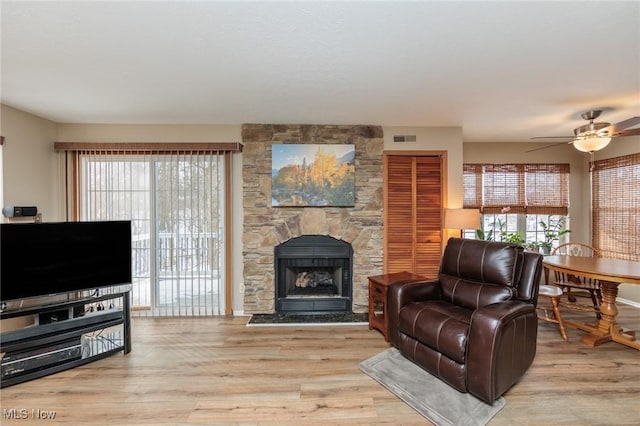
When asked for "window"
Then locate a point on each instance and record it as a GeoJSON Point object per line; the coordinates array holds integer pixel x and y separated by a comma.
{"type": "Point", "coordinates": [519, 228]}
{"type": "Point", "coordinates": [177, 202]}
{"type": "Point", "coordinates": [515, 198]}
{"type": "Point", "coordinates": [616, 207]}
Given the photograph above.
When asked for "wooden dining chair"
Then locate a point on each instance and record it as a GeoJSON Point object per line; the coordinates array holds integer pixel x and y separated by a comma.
{"type": "Point", "coordinates": [553, 293]}
{"type": "Point", "coordinates": [568, 282]}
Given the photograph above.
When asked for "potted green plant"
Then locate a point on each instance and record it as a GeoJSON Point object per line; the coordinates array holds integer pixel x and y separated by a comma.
{"type": "Point", "coordinates": [514, 238]}
{"type": "Point", "coordinates": [532, 246]}
{"type": "Point", "coordinates": [481, 235]}
{"type": "Point", "coordinates": [552, 232]}
{"type": "Point", "coordinates": [509, 237]}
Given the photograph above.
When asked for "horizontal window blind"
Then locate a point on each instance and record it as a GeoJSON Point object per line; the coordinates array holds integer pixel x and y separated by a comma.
{"type": "Point", "coordinates": [547, 189]}
{"type": "Point", "coordinates": [616, 207]}
{"type": "Point", "coordinates": [523, 188]}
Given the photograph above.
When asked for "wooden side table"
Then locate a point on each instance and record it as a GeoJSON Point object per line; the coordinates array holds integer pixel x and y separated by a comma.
{"type": "Point", "coordinates": [378, 287]}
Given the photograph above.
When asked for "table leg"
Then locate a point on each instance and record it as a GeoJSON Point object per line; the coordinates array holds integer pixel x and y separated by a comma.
{"type": "Point", "coordinates": [607, 329]}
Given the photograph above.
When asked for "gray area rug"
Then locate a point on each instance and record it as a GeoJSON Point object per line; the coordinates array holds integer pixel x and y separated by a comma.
{"type": "Point", "coordinates": [428, 395]}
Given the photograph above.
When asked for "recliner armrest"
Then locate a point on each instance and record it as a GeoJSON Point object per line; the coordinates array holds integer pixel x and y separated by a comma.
{"type": "Point", "coordinates": [401, 293]}
{"type": "Point", "coordinates": [501, 347]}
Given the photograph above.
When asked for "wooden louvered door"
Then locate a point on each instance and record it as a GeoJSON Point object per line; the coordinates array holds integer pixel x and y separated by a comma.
{"type": "Point", "coordinates": [399, 214]}
{"type": "Point", "coordinates": [413, 214]}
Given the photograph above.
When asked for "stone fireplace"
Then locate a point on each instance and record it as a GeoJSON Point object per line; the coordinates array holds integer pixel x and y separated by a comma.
{"type": "Point", "coordinates": [313, 274]}
{"type": "Point", "coordinates": [265, 226]}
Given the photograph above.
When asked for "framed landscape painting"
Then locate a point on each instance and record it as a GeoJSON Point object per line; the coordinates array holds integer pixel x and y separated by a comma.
{"type": "Point", "coordinates": [313, 175]}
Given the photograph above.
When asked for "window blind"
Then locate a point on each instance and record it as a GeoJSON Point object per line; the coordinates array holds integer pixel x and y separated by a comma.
{"type": "Point", "coordinates": [616, 207]}
{"type": "Point", "coordinates": [523, 188]}
{"type": "Point", "coordinates": [178, 199]}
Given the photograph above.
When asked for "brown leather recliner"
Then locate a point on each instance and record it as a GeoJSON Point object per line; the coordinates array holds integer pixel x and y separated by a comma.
{"type": "Point", "coordinates": [475, 326]}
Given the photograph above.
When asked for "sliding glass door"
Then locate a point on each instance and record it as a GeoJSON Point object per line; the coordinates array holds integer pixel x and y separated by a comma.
{"type": "Point", "coordinates": [176, 205]}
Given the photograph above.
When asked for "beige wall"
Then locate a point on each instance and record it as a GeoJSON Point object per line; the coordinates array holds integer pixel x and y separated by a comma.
{"type": "Point", "coordinates": [33, 175]}
{"type": "Point", "coordinates": [147, 133]}
{"type": "Point", "coordinates": [30, 170]}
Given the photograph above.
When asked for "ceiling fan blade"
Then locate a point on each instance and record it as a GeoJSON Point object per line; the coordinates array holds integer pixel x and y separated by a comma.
{"type": "Point", "coordinates": [549, 146]}
{"type": "Point", "coordinates": [553, 137]}
{"type": "Point", "coordinates": [628, 132]}
{"type": "Point", "coordinates": [624, 124]}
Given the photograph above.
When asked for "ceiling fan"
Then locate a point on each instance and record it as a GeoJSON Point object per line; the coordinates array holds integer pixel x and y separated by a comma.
{"type": "Point", "coordinates": [595, 136]}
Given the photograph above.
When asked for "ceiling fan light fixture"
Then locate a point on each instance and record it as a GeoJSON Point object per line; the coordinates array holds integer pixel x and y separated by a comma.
{"type": "Point", "coordinates": [591, 144]}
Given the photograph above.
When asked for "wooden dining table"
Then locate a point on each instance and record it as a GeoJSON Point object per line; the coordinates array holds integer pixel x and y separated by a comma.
{"type": "Point", "coordinates": [611, 273]}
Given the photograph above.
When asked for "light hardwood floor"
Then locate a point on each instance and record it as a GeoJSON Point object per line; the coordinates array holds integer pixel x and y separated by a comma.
{"type": "Point", "coordinates": [218, 371]}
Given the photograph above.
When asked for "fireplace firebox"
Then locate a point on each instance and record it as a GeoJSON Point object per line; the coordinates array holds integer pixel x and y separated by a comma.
{"type": "Point", "coordinates": [313, 274]}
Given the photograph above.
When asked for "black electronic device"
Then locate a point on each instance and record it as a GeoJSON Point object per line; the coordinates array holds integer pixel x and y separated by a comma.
{"type": "Point", "coordinates": [48, 258]}
{"type": "Point", "coordinates": [17, 211]}
{"type": "Point", "coordinates": [17, 363]}
{"type": "Point", "coordinates": [61, 315]}
{"type": "Point", "coordinates": [55, 316]}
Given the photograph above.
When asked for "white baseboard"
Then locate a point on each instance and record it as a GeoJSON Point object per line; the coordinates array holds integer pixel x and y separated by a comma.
{"type": "Point", "coordinates": [628, 302]}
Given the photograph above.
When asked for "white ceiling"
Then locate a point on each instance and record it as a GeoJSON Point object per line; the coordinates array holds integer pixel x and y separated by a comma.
{"type": "Point", "coordinates": [503, 71]}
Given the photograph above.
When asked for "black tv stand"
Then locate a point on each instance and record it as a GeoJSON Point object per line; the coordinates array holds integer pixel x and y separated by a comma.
{"type": "Point", "coordinates": [44, 349]}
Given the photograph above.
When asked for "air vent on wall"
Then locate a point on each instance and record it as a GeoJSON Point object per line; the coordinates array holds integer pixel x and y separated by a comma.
{"type": "Point", "coordinates": [404, 138]}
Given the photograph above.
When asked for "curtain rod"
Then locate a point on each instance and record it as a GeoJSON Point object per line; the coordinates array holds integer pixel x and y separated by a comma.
{"type": "Point", "coordinates": [149, 146]}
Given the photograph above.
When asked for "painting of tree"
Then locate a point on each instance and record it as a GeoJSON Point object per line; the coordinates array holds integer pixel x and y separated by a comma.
{"type": "Point", "coordinates": [313, 175]}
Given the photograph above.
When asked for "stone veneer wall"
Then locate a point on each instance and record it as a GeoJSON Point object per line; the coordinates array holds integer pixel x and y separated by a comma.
{"type": "Point", "coordinates": [265, 227]}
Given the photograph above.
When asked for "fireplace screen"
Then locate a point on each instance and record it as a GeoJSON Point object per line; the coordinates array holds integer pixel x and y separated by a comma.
{"type": "Point", "coordinates": [313, 273]}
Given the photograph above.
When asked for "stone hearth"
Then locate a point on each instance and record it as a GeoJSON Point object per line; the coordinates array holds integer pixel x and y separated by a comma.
{"type": "Point", "coordinates": [264, 227]}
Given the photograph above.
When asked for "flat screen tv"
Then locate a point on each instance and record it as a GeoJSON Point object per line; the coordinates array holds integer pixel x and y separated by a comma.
{"type": "Point", "coordinates": [39, 259]}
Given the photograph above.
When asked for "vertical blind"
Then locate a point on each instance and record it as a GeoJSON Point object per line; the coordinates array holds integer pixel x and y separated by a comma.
{"type": "Point", "coordinates": [524, 188]}
{"type": "Point", "coordinates": [616, 207]}
{"type": "Point", "coordinates": [177, 201]}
